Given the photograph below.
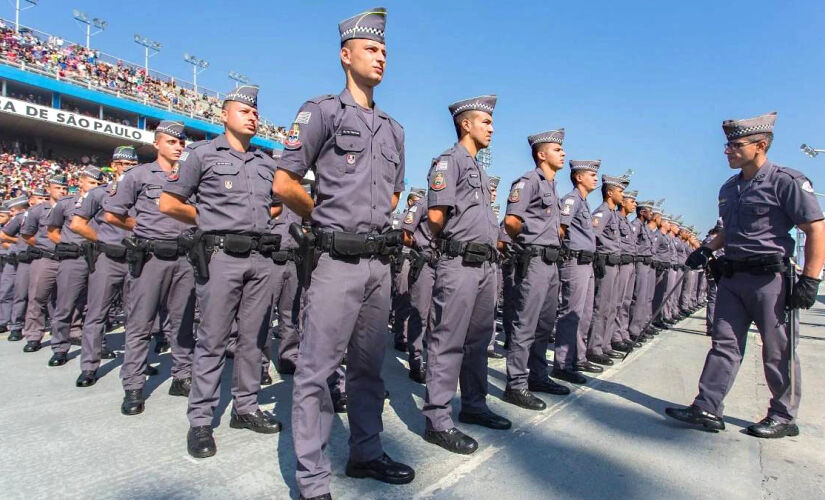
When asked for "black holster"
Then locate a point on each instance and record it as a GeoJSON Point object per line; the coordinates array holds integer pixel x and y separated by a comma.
{"type": "Point", "coordinates": [417, 261]}
{"type": "Point", "coordinates": [305, 255]}
{"type": "Point", "coordinates": [198, 253]}
{"type": "Point", "coordinates": [90, 253]}
{"type": "Point", "coordinates": [522, 262]}
{"type": "Point", "coordinates": [136, 255]}
{"type": "Point", "coordinates": [65, 251]}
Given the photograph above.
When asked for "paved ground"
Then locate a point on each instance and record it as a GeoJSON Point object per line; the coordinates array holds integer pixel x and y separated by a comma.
{"type": "Point", "coordinates": [609, 439]}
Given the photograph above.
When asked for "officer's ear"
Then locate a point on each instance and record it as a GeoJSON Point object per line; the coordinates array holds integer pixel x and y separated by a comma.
{"type": "Point", "coordinates": [346, 54]}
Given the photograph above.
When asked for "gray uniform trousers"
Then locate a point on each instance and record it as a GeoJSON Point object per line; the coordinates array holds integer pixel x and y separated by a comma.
{"type": "Point", "coordinates": [688, 287]}
{"type": "Point", "coordinates": [21, 296]}
{"type": "Point", "coordinates": [604, 310]}
{"type": "Point", "coordinates": [536, 302]}
{"type": "Point", "coordinates": [575, 313]}
{"type": "Point", "coordinates": [508, 304]}
{"type": "Point", "coordinates": [109, 277]}
{"type": "Point", "coordinates": [7, 293]}
{"type": "Point", "coordinates": [70, 308]}
{"type": "Point", "coordinates": [347, 308]}
{"type": "Point", "coordinates": [42, 288]}
{"type": "Point", "coordinates": [162, 281]}
{"type": "Point", "coordinates": [673, 300]}
{"type": "Point", "coordinates": [499, 300]}
{"type": "Point", "coordinates": [401, 302]}
{"type": "Point", "coordinates": [625, 284]}
{"type": "Point", "coordinates": [288, 301]}
{"type": "Point", "coordinates": [744, 299]}
{"type": "Point", "coordinates": [464, 301]}
{"type": "Point", "coordinates": [711, 308]}
{"type": "Point", "coordinates": [239, 289]}
{"type": "Point", "coordinates": [663, 285]}
{"type": "Point", "coordinates": [645, 282]}
{"type": "Point", "coordinates": [419, 324]}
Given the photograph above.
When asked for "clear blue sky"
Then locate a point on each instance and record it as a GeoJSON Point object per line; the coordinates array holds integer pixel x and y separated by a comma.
{"type": "Point", "coordinates": [641, 85]}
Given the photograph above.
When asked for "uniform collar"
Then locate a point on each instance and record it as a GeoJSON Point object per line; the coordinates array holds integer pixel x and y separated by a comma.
{"type": "Point", "coordinates": [462, 150]}
{"type": "Point", "coordinates": [346, 99]}
{"type": "Point", "coordinates": [764, 171]}
{"type": "Point", "coordinates": [222, 143]}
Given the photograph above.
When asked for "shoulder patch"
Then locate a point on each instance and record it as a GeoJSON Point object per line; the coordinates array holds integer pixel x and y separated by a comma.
{"type": "Point", "coordinates": [113, 188]}
{"type": "Point", "coordinates": [598, 214]}
{"type": "Point", "coordinates": [184, 156]}
{"type": "Point", "coordinates": [303, 117]}
{"type": "Point", "coordinates": [409, 217]}
{"type": "Point", "coordinates": [439, 182]}
{"type": "Point", "coordinates": [807, 186]}
{"type": "Point", "coordinates": [293, 137]}
{"type": "Point", "coordinates": [441, 165]}
{"type": "Point", "coordinates": [569, 201]}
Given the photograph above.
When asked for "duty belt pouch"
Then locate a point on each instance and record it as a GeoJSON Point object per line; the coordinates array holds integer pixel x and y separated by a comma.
{"type": "Point", "coordinates": [269, 244]}
{"type": "Point", "coordinates": [393, 242]}
{"type": "Point", "coordinates": [165, 249]}
{"type": "Point", "coordinates": [476, 253]}
{"type": "Point", "coordinates": [585, 258]}
{"type": "Point", "coordinates": [237, 244]}
{"type": "Point", "coordinates": [613, 259]}
{"type": "Point", "coordinates": [347, 245]}
{"type": "Point", "coordinates": [627, 259]}
{"type": "Point", "coordinates": [114, 252]}
{"type": "Point", "coordinates": [550, 255]}
{"type": "Point", "coordinates": [281, 257]}
{"type": "Point", "coordinates": [65, 251]}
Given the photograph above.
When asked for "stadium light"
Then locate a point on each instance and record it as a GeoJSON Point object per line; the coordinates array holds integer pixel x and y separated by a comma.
{"type": "Point", "coordinates": [17, 11]}
{"type": "Point", "coordinates": [98, 23]}
{"type": "Point", "coordinates": [196, 63]}
{"type": "Point", "coordinates": [809, 151]}
{"type": "Point", "coordinates": [239, 78]}
{"type": "Point", "coordinates": [150, 47]}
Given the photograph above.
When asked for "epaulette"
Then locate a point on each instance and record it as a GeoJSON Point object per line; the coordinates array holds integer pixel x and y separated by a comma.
{"type": "Point", "coordinates": [732, 179]}
{"type": "Point", "coordinates": [197, 144]}
{"type": "Point", "coordinates": [321, 98]}
{"type": "Point", "coordinates": [794, 174]}
{"type": "Point", "coordinates": [66, 196]}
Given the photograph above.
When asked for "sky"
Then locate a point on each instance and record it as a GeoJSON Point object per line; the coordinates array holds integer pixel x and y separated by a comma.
{"type": "Point", "coordinates": [641, 85]}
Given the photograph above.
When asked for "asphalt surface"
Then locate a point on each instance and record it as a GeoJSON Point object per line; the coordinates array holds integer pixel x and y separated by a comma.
{"type": "Point", "coordinates": [608, 439]}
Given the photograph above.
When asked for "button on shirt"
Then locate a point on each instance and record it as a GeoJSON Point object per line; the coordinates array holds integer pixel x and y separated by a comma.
{"type": "Point", "coordinates": [358, 160]}
{"type": "Point", "coordinates": [91, 209]}
{"type": "Point", "coordinates": [61, 216]}
{"type": "Point", "coordinates": [36, 223]}
{"type": "Point", "coordinates": [575, 216]}
{"type": "Point", "coordinates": [140, 189]}
{"type": "Point", "coordinates": [606, 229]}
{"type": "Point", "coordinates": [534, 200]}
{"type": "Point", "coordinates": [627, 238]}
{"type": "Point", "coordinates": [415, 221]}
{"type": "Point", "coordinates": [456, 182]}
{"type": "Point", "coordinates": [759, 213]}
{"type": "Point", "coordinates": [234, 188]}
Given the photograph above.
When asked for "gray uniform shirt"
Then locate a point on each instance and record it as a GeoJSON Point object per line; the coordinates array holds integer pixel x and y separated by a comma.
{"type": "Point", "coordinates": [758, 214]}
{"type": "Point", "coordinates": [575, 216]}
{"type": "Point", "coordinates": [627, 238]}
{"type": "Point", "coordinates": [140, 189]}
{"type": "Point", "coordinates": [661, 247]}
{"type": "Point", "coordinates": [36, 223]}
{"type": "Point", "coordinates": [606, 229]}
{"type": "Point", "coordinates": [61, 216]}
{"type": "Point", "coordinates": [456, 182]}
{"type": "Point", "coordinates": [234, 189]}
{"type": "Point", "coordinates": [534, 200]}
{"type": "Point", "coordinates": [415, 221]}
{"type": "Point", "coordinates": [358, 163]}
{"type": "Point", "coordinates": [644, 238]}
{"type": "Point", "coordinates": [91, 209]}
{"type": "Point", "coordinates": [12, 228]}
{"type": "Point", "coordinates": [280, 225]}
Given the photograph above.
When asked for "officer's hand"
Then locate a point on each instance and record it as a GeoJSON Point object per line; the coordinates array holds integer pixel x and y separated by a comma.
{"type": "Point", "coordinates": [699, 258]}
{"type": "Point", "coordinates": [804, 292]}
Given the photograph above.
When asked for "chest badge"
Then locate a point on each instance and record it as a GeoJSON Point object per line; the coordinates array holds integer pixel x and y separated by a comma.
{"type": "Point", "coordinates": [228, 184]}
{"type": "Point", "coordinates": [350, 159]}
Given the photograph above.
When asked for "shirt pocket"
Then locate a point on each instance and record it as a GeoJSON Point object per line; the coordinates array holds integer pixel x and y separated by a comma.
{"type": "Point", "coordinates": [755, 217]}
{"type": "Point", "coordinates": [391, 160]}
{"type": "Point", "coordinates": [153, 192]}
{"type": "Point", "coordinates": [349, 148]}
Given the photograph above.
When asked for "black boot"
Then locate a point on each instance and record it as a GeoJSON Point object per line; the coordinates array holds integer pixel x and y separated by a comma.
{"type": "Point", "coordinates": [32, 346]}
{"type": "Point", "coordinates": [58, 359]}
{"type": "Point", "coordinates": [132, 402]}
{"type": "Point", "coordinates": [771, 429]}
{"type": "Point", "coordinates": [180, 387]}
{"type": "Point", "coordinates": [383, 469]}
{"type": "Point", "coordinates": [87, 378]}
{"type": "Point", "coordinates": [523, 398]}
{"type": "Point", "coordinates": [255, 422]}
{"type": "Point", "coordinates": [200, 443]}
{"type": "Point", "coordinates": [451, 440]}
{"type": "Point", "coordinates": [695, 416]}
{"type": "Point", "coordinates": [15, 336]}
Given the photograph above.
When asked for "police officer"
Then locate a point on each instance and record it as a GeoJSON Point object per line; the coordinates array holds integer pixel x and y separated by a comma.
{"type": "Point", "coordinates": [645, 275]}
{"type": "Point", "coordinates": [625, 281]}
{"type": "Point", "coordinates": [491, 348]}
{"type": "Point", "coordinates": [357, 153]}
{"type": "Point", "coordinates": [106, 257]}
{"type": "Point", "coordinates": [16, 207]}
{"type": "Point", "coordinates": [6, 292]}
{"type": "Point", "coordinates": [606, 269]}
{"type": "Point", "coordinates": [714, 232]}
{"type": "Point", "coordinates": [159, 272]}
{"type": "Point", "coordinates": [423, 261]}
{"type": "Point", "coordinates": [662, 260]}
{"type": "Point", "coordinates": [465, 234]}
{"type": "Point", "coordinates": [576, 275]}
{"type": "Point", "coordinates": [72, 269]}
{"type": "Point", "coordinates": [401, 298]}
{"type": "Point", "coordinates": [758, 206]}
{"type": "Point", "coordinates": [532, 222]}
{"type": "Point", "coordinates": [20, 255]}
{"type": "Point", "coordinates": [43, 277]}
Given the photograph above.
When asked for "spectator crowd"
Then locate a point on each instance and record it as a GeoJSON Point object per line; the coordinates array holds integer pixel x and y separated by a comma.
{"type": "Point", "coordinates": [21, 172]}
{"type": "Point", "coordinates": [69, 61]}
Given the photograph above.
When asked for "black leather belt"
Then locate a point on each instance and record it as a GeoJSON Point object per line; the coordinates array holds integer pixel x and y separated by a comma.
{"type": "Point", "coordinates": [626, 258]}
{"type": "Point", "coordinates": [114, 252]}
{"type": "Point", "coordinates": [340, 244]}
{"type": "Point", "coordinates": [471, 252]}
{"type": "Point", "coordinates": [283, 256]}
{"type": "Point", "coordinates": [611, 259]}
{"type": "Point", "coordinates": [761, 264]}
{"type": "Point", "coordinates": [581, 256]}
{"type": "Point", "coordinates": [550, 254]}
{"type": "Point", "coordinates": [244, 244]}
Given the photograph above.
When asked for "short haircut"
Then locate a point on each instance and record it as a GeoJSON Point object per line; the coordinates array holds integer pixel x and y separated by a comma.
{"type": "Point", "coordinates": [466, 115]}
{"type": "Point", "coordinates": [767, 137]}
